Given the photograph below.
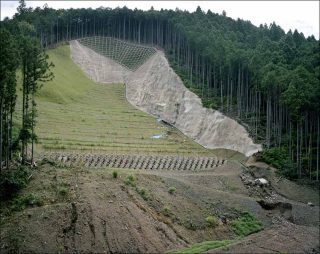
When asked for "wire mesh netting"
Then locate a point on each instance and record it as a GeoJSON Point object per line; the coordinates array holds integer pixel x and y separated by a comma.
{"type": "Point", "coordinates": [129, 55]}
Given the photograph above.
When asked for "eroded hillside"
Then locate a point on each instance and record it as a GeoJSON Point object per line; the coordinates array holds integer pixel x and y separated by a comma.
{"type": "Point", "coordinates": [155, 88]}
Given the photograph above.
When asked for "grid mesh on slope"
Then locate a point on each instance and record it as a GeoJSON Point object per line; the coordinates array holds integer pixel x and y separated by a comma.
{"type": "Point", "coordinates": [129, 55]}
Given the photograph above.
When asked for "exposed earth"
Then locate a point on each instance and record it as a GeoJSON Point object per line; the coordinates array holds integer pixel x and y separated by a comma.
{"type": "Point", "coordinates": [87, 210]}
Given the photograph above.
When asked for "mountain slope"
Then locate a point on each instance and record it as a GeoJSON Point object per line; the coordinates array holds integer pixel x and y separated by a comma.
{"type": "Point", "coordinates": [77, 114]}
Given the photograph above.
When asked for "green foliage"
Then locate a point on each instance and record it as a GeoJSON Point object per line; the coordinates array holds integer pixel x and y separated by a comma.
{"type": "Point", "coordinates": [63, 191]}
{"type": "Point", "coordinates": [246, 225]}
{"type": "Point", "coordinates": [130, 180]}
{"type": "Point", "coordinates": [190, 224]}
{"type": "Point", "coordinates": [302, 92]}
{"type": "Point", "coordinates": [69, 84]}
{"type": "Point", "coordinates": [114, 174]}
{"type": "Point", "coordinates": [278, 158]}
{"type": "Point", "coordinates": [143, 193]}
{"type": "Point", "coordinates": [12, 181]}
{"type": "Point", "coordinates": [275, 156]}
{"type": "Point", "coordinates": [167, 211]}
{"type": "Point", "coordinates": [35, 72]}
{"type": "Point", "coordinates": [30, 200]}
{"type": "Point", "coordinates": [172, 190]}
{"type": "Point", "coordinates": [210, 103]}
{"type": "Point", "coordinates": [202, 247]}
{"type": "Point", "coordinates": [211, 221]}
{"type": "Point", "coordinates": [8, 65]}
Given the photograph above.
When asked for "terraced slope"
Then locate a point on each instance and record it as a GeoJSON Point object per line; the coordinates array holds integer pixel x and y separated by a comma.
{"type": "Point", "coordinates": [79, 115]}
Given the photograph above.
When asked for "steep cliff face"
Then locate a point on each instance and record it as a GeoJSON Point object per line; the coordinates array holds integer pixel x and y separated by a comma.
{"type": "Point", "coordinates": [156, 89]}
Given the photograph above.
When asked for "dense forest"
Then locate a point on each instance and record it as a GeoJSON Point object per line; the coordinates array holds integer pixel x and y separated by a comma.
{"type": "Point", "coordinates": [261, 76]}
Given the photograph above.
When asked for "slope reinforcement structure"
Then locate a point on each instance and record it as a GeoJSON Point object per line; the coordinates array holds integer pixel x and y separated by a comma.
{"type": "Point", "coordinates": [156, 89]}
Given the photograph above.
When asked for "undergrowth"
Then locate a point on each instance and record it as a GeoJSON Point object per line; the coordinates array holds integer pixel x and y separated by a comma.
{"type": "Point", "coordinates": [13, 180]}
{"type": "Point", "coordinates": [278, 158]}
{"type": "Point", "coordinates": [29, 200]}
{"type": "Point", "coordinates": [130, 180]}
{"type": "Point", "coordinates": [246, 224]}
{"type": "Point", "coordinates": [211, 221]}
{"type": "Point", "coordinates": [202, 247]}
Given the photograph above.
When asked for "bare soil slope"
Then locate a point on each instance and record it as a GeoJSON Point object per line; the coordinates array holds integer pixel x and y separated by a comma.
{"type": "Point", "coordinates": [90, 211]}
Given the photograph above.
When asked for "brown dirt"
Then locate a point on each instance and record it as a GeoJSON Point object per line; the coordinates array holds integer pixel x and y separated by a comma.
{"type": "Point", "coordinates": [284, 237]}
{"type": "Point", "coordinates": [101, 214]}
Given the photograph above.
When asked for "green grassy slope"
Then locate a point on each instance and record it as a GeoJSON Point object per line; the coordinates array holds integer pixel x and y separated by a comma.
{"type": "Point", "coordinates": [77, 114]}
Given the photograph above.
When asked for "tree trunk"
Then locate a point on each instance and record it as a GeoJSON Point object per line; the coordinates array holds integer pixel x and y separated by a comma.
{"type": "Point", "coordinates": [1, 132]}
{"type": "Point", "coordinates": [318, 135]}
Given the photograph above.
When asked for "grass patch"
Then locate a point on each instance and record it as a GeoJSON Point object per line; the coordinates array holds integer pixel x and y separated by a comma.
{"type": "Point", "coordinates": [246, 225]}
{"type": "Point", "coordinates": [211, 221]}
{"type": "Point", "coordinates": [167, 211]}
{"type": "Point", "coordinates": [66, 72]}
{"type": "Point", "coordinates": [114, 174]}
{"type": "Point", "coordinates": [190, 224]}
{"type": "Point", "coordinates": [143, 193]}
{"type": "Point", "coordinates": [130, 181]}
{"type": "Point", "coordinates": [172, 190]}
{"type": "Point", "coordinates": [202, 247]}
{"type": "Point", "coordinates": [63, 191]}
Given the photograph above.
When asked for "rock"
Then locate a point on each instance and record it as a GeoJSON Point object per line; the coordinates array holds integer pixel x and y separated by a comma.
{"type": "Point", "coordinates": [310, 204]}
{"type": "Point", "coordinates": [261, 182]}
{"type": "Point", "coordinates": [268, 205]}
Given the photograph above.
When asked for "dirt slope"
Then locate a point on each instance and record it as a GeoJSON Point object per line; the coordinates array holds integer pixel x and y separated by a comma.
{"type": "Point", "coordinates": [89, 211]}
{"type": "Point", "coordinates": [156, 89]}
{"type": "Point", "coordinates": [285, 237]}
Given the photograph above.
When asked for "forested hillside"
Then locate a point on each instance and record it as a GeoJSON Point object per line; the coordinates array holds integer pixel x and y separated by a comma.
{"type": "Point", "coordinates": [263, 77]}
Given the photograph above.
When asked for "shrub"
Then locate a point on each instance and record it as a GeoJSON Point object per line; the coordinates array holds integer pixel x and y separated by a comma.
{"type": "Point", "coordinates": [278, 158]}
{"type": "Point", "coordinates": [11, 181]}
{"type": "Point", "coordinates": [143, 193]}
{"type": "Point", "coordinates": [211, 221]}
{"type": "Point", "coordinates": [246, 225]}
{"type": "Point", "coordinates": [130, 180]}
{"type": "Point", "coordinates": [114, 174]}
{"type": "Point", "coordinates": [167, 211]}
{"type": "Point", "coordinates": [63, 191]}
{"type": "Point", "coordinates": [23, 202]}
{"type": "Point", "coordinates": [172, 190]}
{"type": "Point", "coordinates": [189, 224]}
